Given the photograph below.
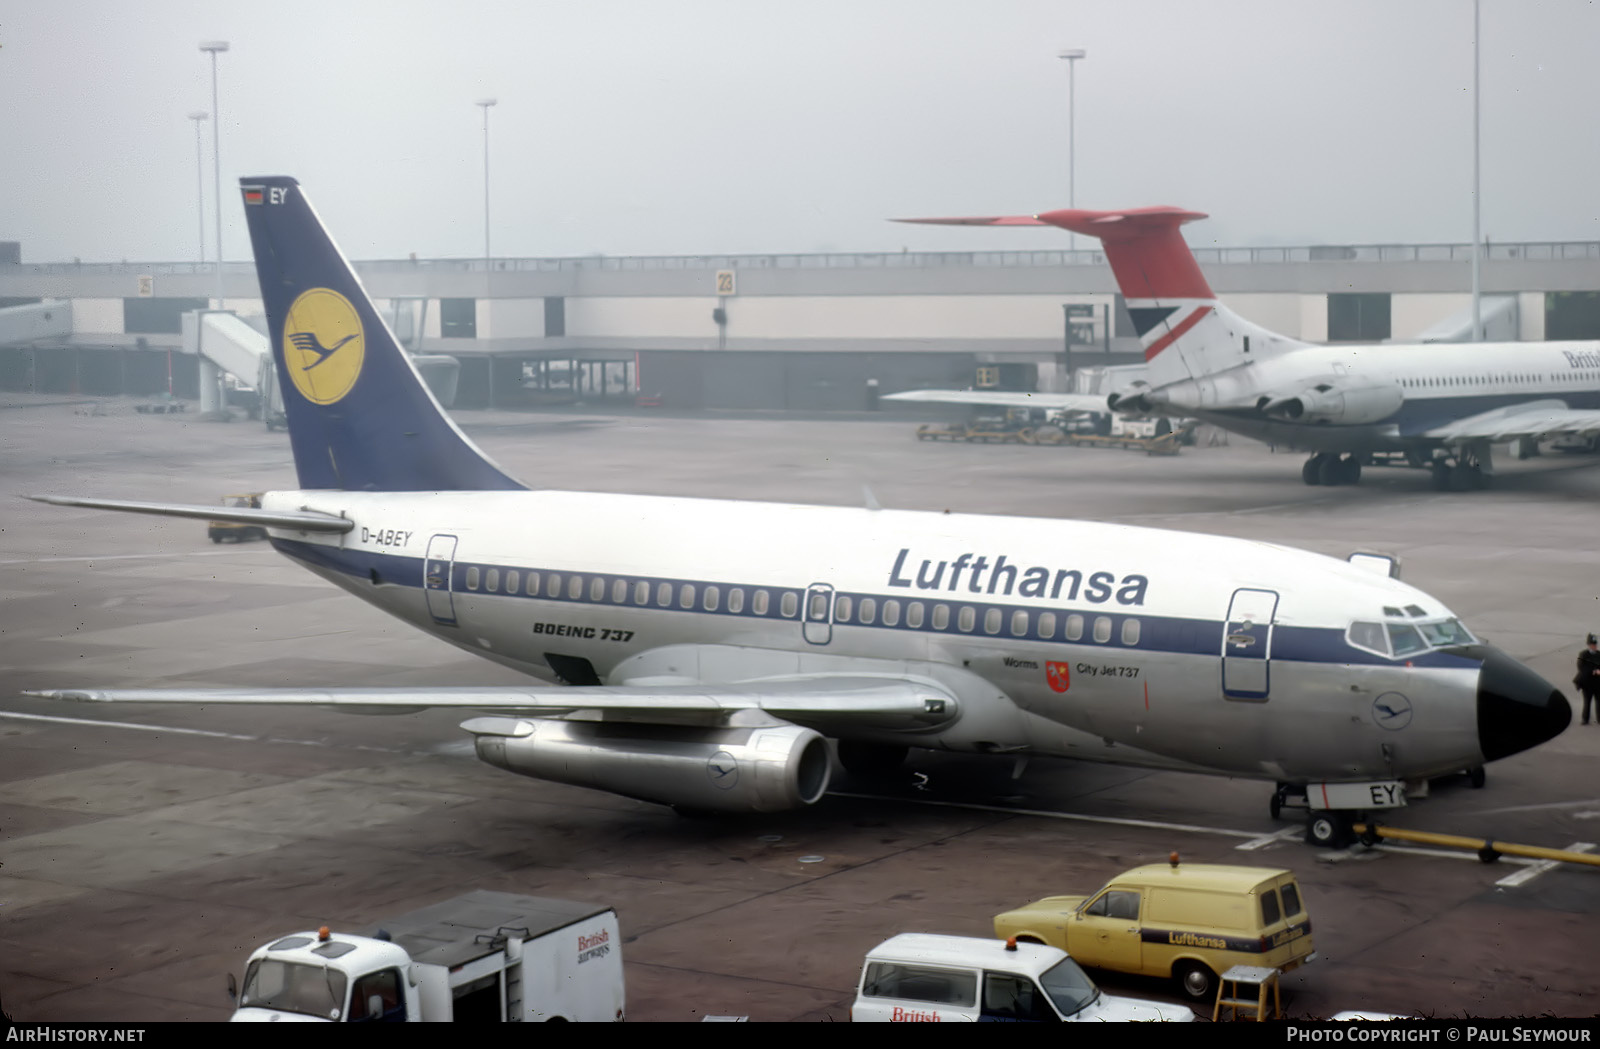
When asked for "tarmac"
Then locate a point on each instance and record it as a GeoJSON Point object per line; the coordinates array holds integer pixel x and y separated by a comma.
{"type": "Point", "coordinates": [146, 850]}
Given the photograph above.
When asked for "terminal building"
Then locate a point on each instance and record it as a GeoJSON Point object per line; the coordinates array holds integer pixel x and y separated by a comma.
{"type": "Point", "coordinates": [813, 332]}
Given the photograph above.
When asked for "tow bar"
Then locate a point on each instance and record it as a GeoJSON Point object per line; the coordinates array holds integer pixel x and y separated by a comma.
{"type": "Point", "coordinates": [1487, 849]}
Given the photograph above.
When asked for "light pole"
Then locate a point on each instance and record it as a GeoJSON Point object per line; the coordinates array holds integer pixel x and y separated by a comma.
{"type": "Point", "coordinates": [198, 116]}
{"type": "Point", "coordinates": [1071, 56]}
{"type": "Point", "coordinates": [1477, 237]}
{"type": "Point", "coordinates": [486, 103]}
{"type": "Point", "coordinates": [214, 47]}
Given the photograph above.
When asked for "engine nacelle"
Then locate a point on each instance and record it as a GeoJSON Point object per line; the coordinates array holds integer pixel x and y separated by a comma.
{"type": "Point", "coordinates": [769, 769]}
{"type": "Point", "coordinates": [1328, 403]}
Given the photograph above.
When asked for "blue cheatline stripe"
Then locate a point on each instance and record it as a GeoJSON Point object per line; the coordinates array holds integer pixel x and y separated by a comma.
{"type": "Point", "coordinates": [1167, 634]}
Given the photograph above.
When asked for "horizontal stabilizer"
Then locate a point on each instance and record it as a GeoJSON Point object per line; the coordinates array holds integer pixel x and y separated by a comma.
{"type": "Point", "coordinates": [299, 520]}
{"type": "Point", "coordinates": [1058, 402]}
{"type": "Point", "coordinates": [979, 220]}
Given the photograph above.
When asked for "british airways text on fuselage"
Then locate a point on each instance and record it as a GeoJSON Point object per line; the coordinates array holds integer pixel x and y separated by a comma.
{"type": "Point", "coordinates": [1002, 577]}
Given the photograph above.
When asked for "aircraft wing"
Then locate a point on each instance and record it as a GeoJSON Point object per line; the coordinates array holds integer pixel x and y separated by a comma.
{"type": "Point", "coordinates": [1093, 404]}
{"type": "Point", "coordinates": [300, 520]}
{"type": "Point", "coordinates": [1537, 419]}
{"type": "Point", "coordinates": [826, 702]}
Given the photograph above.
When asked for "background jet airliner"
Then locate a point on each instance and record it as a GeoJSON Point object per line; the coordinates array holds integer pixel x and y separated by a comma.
{"type": "Point", "coordinates": [1442, 405]}
{"type": "Point", "coordinates": [708, 647]}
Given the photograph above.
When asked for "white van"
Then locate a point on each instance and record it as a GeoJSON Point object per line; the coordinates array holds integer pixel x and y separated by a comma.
{"type": "Point", "coordinates": [919, 977]}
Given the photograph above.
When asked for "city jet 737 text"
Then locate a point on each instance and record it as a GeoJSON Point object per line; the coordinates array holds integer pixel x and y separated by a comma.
{"type": "Point", "coordinates": [1438, 405]}
{"type": "Point", "coordinates": [704, 651]}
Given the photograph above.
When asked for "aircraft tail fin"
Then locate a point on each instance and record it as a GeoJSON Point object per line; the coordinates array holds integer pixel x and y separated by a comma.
{"type": "Point", "coordinates": [360, 417]}
{"type": "Point", "coordinates": [1185, 331]}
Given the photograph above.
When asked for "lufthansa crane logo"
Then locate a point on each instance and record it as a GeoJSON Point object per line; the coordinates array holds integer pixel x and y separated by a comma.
{"type": "Point", "coordinates": [323, 345]}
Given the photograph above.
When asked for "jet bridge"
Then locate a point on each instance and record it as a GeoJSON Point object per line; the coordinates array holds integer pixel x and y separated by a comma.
{"type": "Point", "coordinates": [20, 325]}
{"type": "Point", "coordinates": [225, 343]}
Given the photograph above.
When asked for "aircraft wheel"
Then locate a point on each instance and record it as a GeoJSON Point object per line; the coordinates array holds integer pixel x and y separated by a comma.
{"type": "Point", "coordinates": [1328, 829]}
{"type": "Point", "coordinates": [1276, 804]}
{"type": "Point", "coordinates": [1476, 777]}
{"type": "Point", "coordinates": [1331, 470]}
{"type": "Point", "coordinates": [870, 759]}
{"type": "Point", "coordinates": [1441, 477]}
{"type": "Point", "coordinates": [1311, 472]}
{"type": "Point", "coordinates": [1196, 981]}
{"type": "Point", "coordinates": [1351, 470]}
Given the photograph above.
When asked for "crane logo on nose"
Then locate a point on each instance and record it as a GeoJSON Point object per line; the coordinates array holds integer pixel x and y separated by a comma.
{"type": "Point", "coordinates": [1391, 711]}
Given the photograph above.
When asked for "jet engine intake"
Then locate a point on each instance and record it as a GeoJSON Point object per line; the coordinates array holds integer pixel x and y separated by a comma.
{"type": "Point", "coordinates": [1328, 403]}
{"type": "Point", "coordinates": [768, 769]}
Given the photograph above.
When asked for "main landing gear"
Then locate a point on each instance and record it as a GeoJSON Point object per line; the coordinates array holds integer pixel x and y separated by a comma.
{"type": "Point", "coordinates": [1467, 470]}
{"type": "Point", "coordinates": [1330, 469]}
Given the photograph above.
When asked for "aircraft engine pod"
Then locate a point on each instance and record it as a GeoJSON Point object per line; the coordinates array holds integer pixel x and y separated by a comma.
{"type": "Point", "coordinates": [770, 769]}
{"type": "Point", "coordinates": [1325, 403]}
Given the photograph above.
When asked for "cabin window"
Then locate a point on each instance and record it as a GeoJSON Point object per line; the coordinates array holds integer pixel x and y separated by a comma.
{"type": "Point", "coordinates": [1019, 623]}
{"type": "Point", "coordinates": [1130, 631]}
{"type": "Point", "coordinates": [1074, 627]}
{"type": "Point", "coordinates": [686, 595]}
{"type": "Point", "coordinates": [1047, 624]}
{"type": "Point", "coordinates": [574, 587]}
{"type": "Point", "coordinates": [472, 578]}
{"type": "Point", "coordinates": [619, 591]}
{"type": "Point", "coordinates": [1102, 629]}
{"type": "Point", "coordinates": [641, 592]}
{"type": "Point", "coordinates": [790, 604]}
{"type": "Point", "coordinates": [941, 617]}
{"type": "Point", "coordinates": [759, 602]}
{"type": "Point", "coordinates": [867, 614]}
{"type": "Point", "coordinates": [736, 600]}
{"type": "Point", "coordinates": [513, 581]}
{"type": "Point", "coordinates": [914, 613]}
{"type": "Point", "coordinates": [991, 621]}
{"type": "Point", "coordinates": [664, 594]}
{"type": "Point", "coordinates": [533, 584]}
{"type": "Point", "coordinates": [491, 580]}
{"type": "Point", "coordinates": [552, 583]}
{"type": "Point", "coordinates": [711, 599]}
{"type": "Point", "coordinates": [841, 608]}
{"type": "Point", "coordinates": [891, 613]}
{"type": "Point", "coordinates": [597, 589]}
{"type": "Point", "coordinates": [967, 619]}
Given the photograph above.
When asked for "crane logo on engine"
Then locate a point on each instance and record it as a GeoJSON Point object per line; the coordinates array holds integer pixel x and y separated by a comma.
{"type": "Point", "coordinates": [722, 770]}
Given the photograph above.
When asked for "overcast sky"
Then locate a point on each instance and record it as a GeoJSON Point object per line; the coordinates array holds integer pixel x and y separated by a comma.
{"type": "Point", "coordinates": [691, 126]}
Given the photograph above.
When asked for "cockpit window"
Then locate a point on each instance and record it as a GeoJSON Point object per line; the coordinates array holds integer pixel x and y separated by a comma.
{"type": "Point", "coordinates": [1405, 639]}
{"type": "Point", "coordinates": [1369, 636]}
{"type": "Point", "coordinates": [1398, 640]}
{"type": "Point", "coordinates": [1446, 632]}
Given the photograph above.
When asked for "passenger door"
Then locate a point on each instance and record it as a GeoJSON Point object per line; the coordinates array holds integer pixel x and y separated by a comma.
{"type": "Point", "coordinates": [1247, 645]}
{"type": "Point", "coordinates": [1106, 932]}
{"type": "Point", "coordinates": [436, 571]}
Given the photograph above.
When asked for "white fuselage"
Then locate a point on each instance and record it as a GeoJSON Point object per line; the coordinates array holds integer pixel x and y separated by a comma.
{"type": "Point", "coordinates": [1064, 638]}
{"type": "Point", "coordinates": [1431, 385]}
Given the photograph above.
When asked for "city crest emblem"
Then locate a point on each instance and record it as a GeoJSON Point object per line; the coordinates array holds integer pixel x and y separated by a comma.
{"type": "Point", "coordinates": [1056, 674]}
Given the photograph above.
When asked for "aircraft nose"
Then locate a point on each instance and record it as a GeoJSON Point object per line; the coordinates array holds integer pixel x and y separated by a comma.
{"type": "Point", "coordinates": [1517, 708]}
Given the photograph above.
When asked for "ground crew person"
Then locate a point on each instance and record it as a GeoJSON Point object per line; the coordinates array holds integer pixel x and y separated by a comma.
{"type": "Point", "coordinates": [1588, 677]}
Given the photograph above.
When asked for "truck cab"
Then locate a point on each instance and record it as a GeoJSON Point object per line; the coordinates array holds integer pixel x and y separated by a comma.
{"type": "Point", "coordinates": [485, 956]}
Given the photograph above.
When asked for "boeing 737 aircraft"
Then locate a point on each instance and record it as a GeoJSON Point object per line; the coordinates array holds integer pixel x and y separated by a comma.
{"type": "Point", "coordinates": [1442, 405]}
{"type": "Point", "coordinates": [707, 648]}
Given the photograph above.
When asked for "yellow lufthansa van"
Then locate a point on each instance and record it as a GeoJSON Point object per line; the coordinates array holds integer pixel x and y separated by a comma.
{"type": "Point", "coordinates": [1189, 922]}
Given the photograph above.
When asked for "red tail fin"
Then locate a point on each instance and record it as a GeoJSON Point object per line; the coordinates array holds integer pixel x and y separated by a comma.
{"type": "Point", "coordinates": [1147, 253]}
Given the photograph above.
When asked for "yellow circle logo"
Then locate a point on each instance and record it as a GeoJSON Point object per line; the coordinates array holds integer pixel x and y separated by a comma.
{"type": "Point", "coordinates": [323, 345]}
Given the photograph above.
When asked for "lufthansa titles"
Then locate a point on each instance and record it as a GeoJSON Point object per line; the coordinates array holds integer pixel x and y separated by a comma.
{"type": "Point", "coordinates": [977, 574]}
